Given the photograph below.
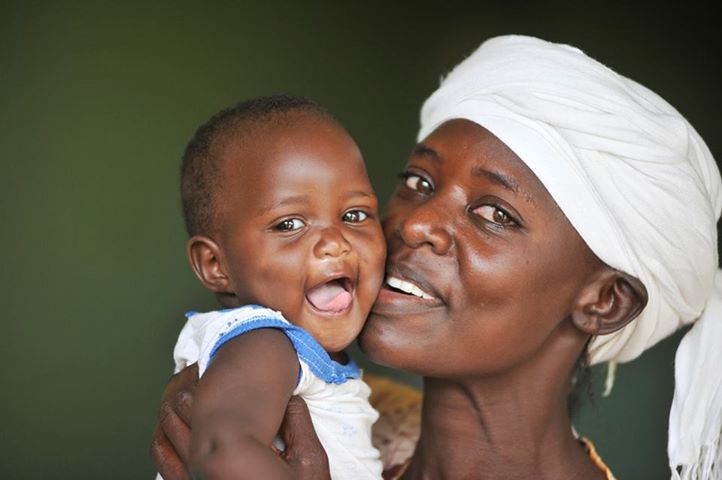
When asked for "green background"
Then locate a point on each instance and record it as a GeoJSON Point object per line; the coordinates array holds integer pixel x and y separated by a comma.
{"type": "Point", "coordinates": [97, 101]}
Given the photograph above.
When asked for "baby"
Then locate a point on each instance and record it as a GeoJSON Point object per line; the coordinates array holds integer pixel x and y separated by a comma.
{"type": "Point", "coordinates": [285, 231]}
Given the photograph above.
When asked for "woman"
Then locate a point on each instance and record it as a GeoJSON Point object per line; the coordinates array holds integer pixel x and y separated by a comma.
{"type": "Point", "coordinates": [552, 210]}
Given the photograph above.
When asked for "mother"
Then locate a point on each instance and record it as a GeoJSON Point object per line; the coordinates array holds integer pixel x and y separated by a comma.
{"type": "Point", "coordinates": [548, 202]}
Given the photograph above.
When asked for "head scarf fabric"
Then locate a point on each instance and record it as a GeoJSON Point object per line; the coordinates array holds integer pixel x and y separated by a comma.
{"type": "Point", "coordinates": [639, 185]}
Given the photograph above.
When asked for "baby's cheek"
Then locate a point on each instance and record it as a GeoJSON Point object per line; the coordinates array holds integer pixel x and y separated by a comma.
{"type": "Point", "coordinates": [378, 249]}
{"type": "Point", "coordinates": [373, 267]}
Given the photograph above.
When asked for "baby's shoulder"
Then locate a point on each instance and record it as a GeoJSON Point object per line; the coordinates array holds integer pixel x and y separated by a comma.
{"type": "Point", "coordinates": [237, 315]}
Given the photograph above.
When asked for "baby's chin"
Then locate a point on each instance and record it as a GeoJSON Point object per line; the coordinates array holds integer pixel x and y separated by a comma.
{"type": "Point", "coordinates": [340, 336]}
{"type": "Point", "coordinates": [337, 343]}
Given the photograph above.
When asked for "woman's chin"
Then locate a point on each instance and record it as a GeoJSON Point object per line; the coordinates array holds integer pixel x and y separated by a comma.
{"type": "Point", "coordinates": [374, 341]}
{"type": "Point", "coordinates": [384, 346]}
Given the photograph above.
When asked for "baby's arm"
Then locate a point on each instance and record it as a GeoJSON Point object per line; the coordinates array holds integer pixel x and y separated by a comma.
{"type": "Point", "coordinates": [239, 405]}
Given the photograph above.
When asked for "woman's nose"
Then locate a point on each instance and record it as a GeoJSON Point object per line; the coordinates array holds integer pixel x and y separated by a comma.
{"type": "Point", "coordinates": [331, 243]}
{"type": "Point", "coordinates": [427, 224]}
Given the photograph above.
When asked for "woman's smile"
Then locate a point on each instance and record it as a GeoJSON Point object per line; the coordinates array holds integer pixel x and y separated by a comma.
{"type": "Point", "coordinates": [406, 290]}
{"type": "Point", "coordinates": [473, 241]}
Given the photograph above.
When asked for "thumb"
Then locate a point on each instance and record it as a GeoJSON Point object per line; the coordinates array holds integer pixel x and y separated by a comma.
{"type": "Point", "coordinates": [304, 452]}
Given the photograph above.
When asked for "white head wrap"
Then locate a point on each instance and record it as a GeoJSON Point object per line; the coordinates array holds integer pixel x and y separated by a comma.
{"type": "Point", "coordinates": [641, 188]}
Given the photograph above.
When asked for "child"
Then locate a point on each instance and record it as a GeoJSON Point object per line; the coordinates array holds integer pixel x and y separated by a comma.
{"type": "Point", "coordinates": [284, 228]}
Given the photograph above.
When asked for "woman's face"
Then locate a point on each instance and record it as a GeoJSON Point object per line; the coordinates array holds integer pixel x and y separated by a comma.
{"type": "Point", "coordinates": [483, 267]}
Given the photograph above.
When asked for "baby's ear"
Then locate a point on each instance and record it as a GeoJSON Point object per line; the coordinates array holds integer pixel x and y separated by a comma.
{"type": "Point", "coordinates": [207, 262]}
{"type": "Point", "coordinates": [609, 301]}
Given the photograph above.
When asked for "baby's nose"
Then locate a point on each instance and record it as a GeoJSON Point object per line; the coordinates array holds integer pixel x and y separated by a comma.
{"type": "Point", "coordinates": [331, 243]}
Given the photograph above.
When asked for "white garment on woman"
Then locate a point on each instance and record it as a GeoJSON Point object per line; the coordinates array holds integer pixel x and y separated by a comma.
{"type": "Point", "coordinates": [336, 396]}
{"type": "Point", "coordinates": [641, 188]}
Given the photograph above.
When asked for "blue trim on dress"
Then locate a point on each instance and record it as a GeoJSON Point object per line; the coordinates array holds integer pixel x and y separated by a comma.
{"type": "Point", "coordinates": [307, 348]}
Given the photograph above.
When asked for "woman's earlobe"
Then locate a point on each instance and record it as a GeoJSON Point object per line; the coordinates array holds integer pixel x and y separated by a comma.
{"type": "Point", "coordinates": [205, 257]}
{"type": "Point", "coordinates": [609, 303]}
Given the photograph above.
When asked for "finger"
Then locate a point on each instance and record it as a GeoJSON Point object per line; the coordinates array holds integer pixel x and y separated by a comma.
{"type": "Point", "coordinates": [182, 403]}
{"type": "Point", "coordinates": [304, 452]}
{"type": "Point", "coordinates": [297, 427]}
{"type": "Point", "coordinates": [180, 390]}
{"type": "Point", "coordinates": [165, 458]}
{"type": "Point", "coordinates": [174, 428]}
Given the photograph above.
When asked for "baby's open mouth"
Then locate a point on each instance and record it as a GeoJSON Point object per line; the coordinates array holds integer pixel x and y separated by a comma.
{"type": "Point", "coordinates": [331, 297]}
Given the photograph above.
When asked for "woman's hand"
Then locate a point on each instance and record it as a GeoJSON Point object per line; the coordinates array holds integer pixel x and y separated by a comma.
{"type": "Point", "coordinates": [171, 437]}
{"type": "Point", "coordinates": [304, 452]}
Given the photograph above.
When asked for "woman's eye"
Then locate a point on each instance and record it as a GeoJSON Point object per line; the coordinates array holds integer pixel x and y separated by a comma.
{"type": "Point", "coordinates": [355, 216]}
{"type": "Point", "coordinates": [494, 214]}
{"type": "Point", "coordinates": [289, 225]}
{"type": "Point", "coordinates": [417, 183]}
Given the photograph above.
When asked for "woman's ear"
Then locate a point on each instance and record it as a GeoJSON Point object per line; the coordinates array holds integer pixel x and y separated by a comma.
{"type": "Point", "coordinates": [609, 302]}
{"type": "Point", "coordinates": [207, 262]}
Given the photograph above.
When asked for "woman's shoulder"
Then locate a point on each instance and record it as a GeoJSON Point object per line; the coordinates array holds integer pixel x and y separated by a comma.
{"type": "Point", "coordinates": [397, 430]}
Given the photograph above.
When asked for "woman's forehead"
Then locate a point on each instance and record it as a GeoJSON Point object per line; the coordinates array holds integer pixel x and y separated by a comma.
{"type": "Point", "coordinates": [468, 149]}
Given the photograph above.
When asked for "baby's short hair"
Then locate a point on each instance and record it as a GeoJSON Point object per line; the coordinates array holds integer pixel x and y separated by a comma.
{"type": "Point", "coordinates": [200, 175]}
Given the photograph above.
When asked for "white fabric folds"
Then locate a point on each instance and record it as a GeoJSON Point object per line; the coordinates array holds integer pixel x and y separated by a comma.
{"type": "Point", "coordinates": [641, 188]}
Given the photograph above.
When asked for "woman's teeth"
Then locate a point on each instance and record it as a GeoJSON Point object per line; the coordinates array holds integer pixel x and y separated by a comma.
{"type": "Point", "coordinates": [407, 287]}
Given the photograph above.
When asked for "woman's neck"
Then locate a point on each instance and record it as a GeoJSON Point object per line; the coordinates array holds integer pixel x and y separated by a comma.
{"type": "Point", "coordinates": [513, 425]}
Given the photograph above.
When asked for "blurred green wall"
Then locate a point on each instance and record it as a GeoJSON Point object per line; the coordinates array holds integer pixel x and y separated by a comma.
{"type": "Point", "coordinates": [97, 101]}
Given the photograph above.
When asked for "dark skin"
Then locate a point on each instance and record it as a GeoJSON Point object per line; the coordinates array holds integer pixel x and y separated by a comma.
{"type": "Point", "coordinates": [511, 297]}
{"type": "Point", "coordinates": [474, 227]}
{"type": "Point", "coordinates": [295, 212]}
{"type": "Point", "coordinates": [304, 454]}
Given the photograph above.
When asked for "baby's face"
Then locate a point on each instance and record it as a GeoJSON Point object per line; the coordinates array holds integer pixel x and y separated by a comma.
{"type": "Point", "coordinates": [299, 227]}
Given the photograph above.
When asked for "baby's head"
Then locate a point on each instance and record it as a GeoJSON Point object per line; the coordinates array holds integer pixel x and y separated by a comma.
{"type": "Point", "coordinates": [281, 213]}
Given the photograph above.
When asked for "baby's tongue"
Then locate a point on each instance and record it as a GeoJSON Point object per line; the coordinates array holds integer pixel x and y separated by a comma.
{"type": "Point", "coordinates": [330, 297]}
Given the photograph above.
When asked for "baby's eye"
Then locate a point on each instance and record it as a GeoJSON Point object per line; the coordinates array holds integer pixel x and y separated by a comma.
{"type": "Point", "coordinates": [355, 216]}
{"type": "Point", "coordinates": [289, 225]}
{"type": "Point", "coordinates": [418, 183]}
{"type": "Point", "coordinates": [494, 214]}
